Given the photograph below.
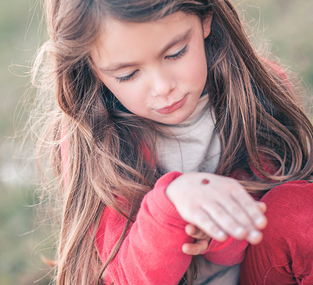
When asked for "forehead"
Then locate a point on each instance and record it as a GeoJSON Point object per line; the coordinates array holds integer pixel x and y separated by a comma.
{"type": "Point", "coordinates": [122, 40]}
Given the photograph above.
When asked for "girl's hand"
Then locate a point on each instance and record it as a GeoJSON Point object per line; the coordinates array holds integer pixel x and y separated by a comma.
{"type": "Point", "coordinates": [201, 243]}
{"type": "Point", "coordinates": [202, 239]}
{"type": "Point", "coordinates": [218, 206]}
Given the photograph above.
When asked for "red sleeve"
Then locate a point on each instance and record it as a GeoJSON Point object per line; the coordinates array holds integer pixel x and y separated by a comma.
{"type": "Point", "coordinates": [280, 72]}
{"type": "Point", "coordinates": [152, 250]}
{"type": "Point", "coordinates": [151, 253]}
{"type": "Point", "coordinates": [229, 252]}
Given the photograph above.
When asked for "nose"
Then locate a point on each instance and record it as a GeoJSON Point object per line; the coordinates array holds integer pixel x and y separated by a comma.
{"type": "Point", "coordinates": [162, 83]}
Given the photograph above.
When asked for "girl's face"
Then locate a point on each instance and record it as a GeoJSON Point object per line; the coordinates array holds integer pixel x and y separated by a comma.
{"type": "Point", "coordinates": [157, 69]}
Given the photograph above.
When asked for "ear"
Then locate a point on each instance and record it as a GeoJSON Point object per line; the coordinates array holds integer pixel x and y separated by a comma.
{"type": "Point", "coordinates": [206, 24]}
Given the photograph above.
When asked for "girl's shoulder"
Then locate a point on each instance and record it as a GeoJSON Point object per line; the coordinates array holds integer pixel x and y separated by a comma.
{"type": "Point", "coordinates": [275, 68]}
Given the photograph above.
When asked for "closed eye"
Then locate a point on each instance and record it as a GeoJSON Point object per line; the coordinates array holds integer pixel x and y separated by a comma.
{"type": "Point", "coordinates": [178, 54]}
{"type": "Point", "coordinates": [127, 77]}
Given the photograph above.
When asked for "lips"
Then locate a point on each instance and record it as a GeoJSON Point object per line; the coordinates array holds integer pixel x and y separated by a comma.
{"type": "Point", "coordinates": [173, 107]}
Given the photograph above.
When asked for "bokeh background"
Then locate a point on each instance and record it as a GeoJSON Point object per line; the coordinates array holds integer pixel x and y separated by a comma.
{"type": "Point", "coordinates": [286, 27]}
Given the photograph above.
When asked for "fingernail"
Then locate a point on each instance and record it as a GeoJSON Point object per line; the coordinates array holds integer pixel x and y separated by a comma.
{"type": "Point", "coordinates": [220, 234]}
{"type": "Point", "coordinates": [239, 231]}
{"type": "Point", "coordinates": [254, 234]}
{"type": "Point", "coordinates": [260, 221]}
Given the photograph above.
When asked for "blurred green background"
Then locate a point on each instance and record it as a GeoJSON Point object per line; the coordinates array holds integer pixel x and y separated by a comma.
{"type": "Point", "coordinates": [285, 25]}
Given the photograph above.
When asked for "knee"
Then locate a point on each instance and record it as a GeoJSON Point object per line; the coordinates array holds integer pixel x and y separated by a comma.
{"type": "Point", "coordinates": [287, 247]}
{"type": "Point", "coordinates": [290, 208]}
{"type": "Point", "coordinates": [294, 195]}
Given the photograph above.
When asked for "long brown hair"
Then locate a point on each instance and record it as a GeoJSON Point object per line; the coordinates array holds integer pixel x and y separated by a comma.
{"type": "Point", "coordinates": [257, 117]}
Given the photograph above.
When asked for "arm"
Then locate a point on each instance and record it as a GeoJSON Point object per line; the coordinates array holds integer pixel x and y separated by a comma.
{"type": "Point", "coordinates": [152, 250]}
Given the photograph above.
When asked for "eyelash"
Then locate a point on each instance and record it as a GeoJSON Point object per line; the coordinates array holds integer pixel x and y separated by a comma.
{"type": "Point", "coordinates": [127, 77]}
{"type": "Point", "coordinates": [174, 57]}
{"type": "Point", "coordinates": [178, 54]}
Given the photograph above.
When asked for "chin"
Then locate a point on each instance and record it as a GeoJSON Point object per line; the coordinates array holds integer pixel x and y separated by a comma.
{"type": "Point", "coordinates": [177, 120]}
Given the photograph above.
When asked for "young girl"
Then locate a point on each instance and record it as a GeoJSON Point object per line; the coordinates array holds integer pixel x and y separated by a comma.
{"type": "Point", "coordinates": [159, 118]}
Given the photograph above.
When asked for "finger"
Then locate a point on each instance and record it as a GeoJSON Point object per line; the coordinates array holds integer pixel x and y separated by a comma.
{"type": "Point", "coordinates": [238, 214]}
{"type": "Point", "coordinates": [196, 248]}
{"type": "Point", "coordinates": [250, 206]}
{"type": "Point", "coordinates": [251, 234]}
{"type": "Point", "coordinates": [254, 238]}
{"type": "Point", "coordinates": [261, 206]}
{"type": "Point", "coordinates": [225, 221]}
{"type": "Point", "coordinates": [195, 232]}
{"type": "Point", "coordinates": [205, 223]}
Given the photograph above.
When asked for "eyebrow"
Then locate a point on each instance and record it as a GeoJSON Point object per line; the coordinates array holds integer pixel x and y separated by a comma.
{"type": "Point", "coordinates": [176, 40]}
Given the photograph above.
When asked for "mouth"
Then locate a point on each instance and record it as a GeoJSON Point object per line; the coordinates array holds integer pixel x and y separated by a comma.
{"type": "Point", "coordinates": [175, 106]}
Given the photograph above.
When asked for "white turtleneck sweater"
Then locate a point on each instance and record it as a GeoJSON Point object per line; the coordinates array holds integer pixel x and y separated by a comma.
{"type": "Point", "coordinates": [190, 142]}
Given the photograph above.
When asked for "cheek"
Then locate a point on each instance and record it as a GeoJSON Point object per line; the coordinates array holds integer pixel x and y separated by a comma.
{"type": "Point", "coordinates": [129, 95]}
{"type": "Point", "coordinates": [195, 68]}
{"type": "Point", "coordinates": [118, 89]}
{"type": "Point", "coordinates": [198, 71]}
